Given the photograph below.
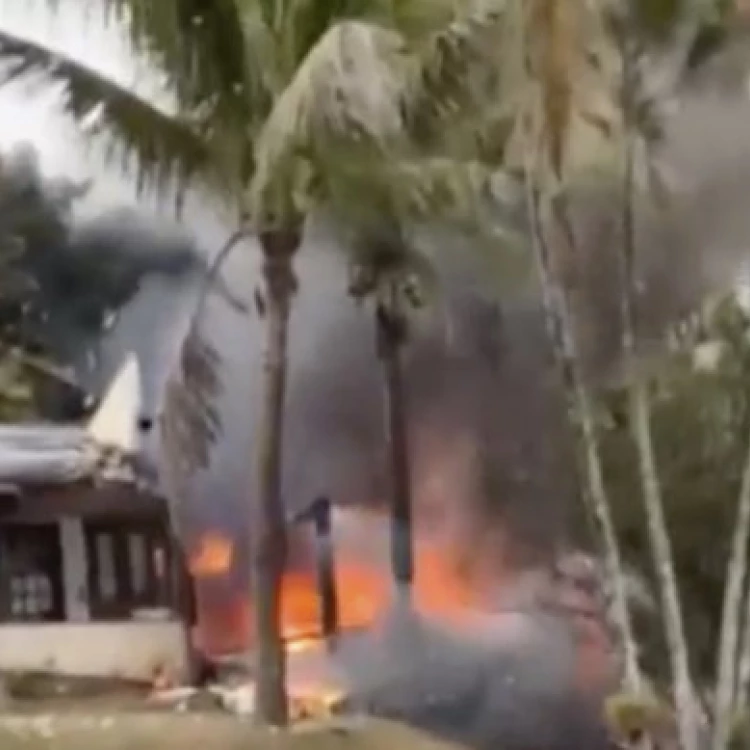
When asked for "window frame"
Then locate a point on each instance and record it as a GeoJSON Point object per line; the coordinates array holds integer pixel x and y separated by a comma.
{"type": "Point", "coordinates": [11, 536]}
{"type": "Point", "coordinates": [158, 591]}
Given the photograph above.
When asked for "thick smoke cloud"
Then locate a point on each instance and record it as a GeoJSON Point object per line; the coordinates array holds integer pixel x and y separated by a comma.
{"type": "Point", "coordinates": [75, 275]}
{"type": "Point", "coordinates": [481, 383]}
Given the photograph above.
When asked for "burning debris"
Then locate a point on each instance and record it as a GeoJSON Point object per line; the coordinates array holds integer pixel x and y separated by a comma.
{"type": "Point", "coordinates": [492, 643]}
{"type": "Point", "coordinates": [471, 662]}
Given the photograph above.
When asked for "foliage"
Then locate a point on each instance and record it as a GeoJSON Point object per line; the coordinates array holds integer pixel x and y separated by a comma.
{"type": "Point", "coordinates": [63, 283]}
{"type": "Point", "coordinates": [630, 716]}
{"type": "Point", "coordinates": [700, 422]}
{"type": "Point", "coordinates": [285, 107]}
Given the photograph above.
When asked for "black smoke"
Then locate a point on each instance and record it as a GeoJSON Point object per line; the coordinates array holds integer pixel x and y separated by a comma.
{"type": "Point", "coordinates": [68, 279]}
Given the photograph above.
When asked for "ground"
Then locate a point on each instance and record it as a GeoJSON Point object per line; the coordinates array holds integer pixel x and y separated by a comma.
{"type": "Point", "coordinates": [47, 712]}
{"type": "Point", "coordinates": [163, 731]}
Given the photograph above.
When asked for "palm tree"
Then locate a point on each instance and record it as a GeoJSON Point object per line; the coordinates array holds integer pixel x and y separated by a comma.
{"type": "Point", "coordinates": [731, 682]}
{"type": "Point", "coordinates": [265, 93]}
{"type": "Point", "coordinates": [569, 106]}
{"type": "Point", "coordinates": [384, 270]}
{"type": "Point", "coordinates": [634, 30]}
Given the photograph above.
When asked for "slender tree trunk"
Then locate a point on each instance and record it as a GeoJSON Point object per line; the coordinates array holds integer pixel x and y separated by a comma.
{"type": "Point", "coordinates": [181, 586]}
{"type": "Point", "coordinates": [391, 329]}
{"type": "Point", "coordinates": [5, 698]}
{"type": "Point", "coordinates": [269, 533]}
{"type": "Point", "coordinates": [661, 549]}
{"type": "Point", "coordinates": [742, 692]}
{"type": "Point", "coordinates": [731, 618]}
{"type": "Point", "coordinates": [686, 705]}
{"type": "Point", "coordinates": [562, 335]}
{"type": "Point", "coordinates": [326, 568]}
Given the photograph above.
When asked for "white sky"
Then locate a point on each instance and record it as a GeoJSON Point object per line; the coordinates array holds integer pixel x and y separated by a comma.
{"type": "Point", "coordinates": [32, 114]}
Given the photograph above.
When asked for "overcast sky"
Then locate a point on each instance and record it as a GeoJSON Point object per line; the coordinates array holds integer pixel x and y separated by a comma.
{"type": "Point", "coordinates": [34, 114]}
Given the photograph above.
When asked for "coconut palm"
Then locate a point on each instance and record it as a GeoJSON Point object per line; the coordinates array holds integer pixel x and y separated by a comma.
{"type": "Point", "coordinates": [264, 94]}
{"type": "Point", "coordinates": [566, 105]}
{"type": "Point", "coordinates": [575, 64]}
{"type": "Point", "coordinates": [633, 30]}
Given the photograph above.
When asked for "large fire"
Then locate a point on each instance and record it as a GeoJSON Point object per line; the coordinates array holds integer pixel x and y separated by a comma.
{"type": "Point", "coordinates": [363, 589]}
{"type": "Point", "coordinates": [446, 589]}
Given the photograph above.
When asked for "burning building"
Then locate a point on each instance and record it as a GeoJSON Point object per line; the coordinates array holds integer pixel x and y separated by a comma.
{"type": "Point", "coordinates": [91, 581]}
{"type": "Point", "coordinates": [491, 486]}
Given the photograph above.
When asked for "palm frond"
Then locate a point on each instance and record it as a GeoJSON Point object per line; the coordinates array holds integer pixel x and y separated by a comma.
{"type": "Point", "coordinates": [569, 67]}
{"type": "Point", "coordinates": [190, 419]}
{"type": "Point", "coordinates": [345, 93]}
{"type": "Point", "coordinates": [200, 46]}
{"type": "Point", "coordinates": [455, 70]}
{"type": "Point", "coordinates": [190, 423]}
{"type": "Point", "coordinates": [167, 149]}
{"type": "Point", "coordinates": [219, 61]}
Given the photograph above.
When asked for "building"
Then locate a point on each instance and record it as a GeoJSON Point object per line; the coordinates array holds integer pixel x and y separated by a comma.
{"type": "Point", "coordinates": [91, 582]}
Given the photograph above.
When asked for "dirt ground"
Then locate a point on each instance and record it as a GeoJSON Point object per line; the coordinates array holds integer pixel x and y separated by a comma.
{"type": "Point", "coordinates": [153, 731]}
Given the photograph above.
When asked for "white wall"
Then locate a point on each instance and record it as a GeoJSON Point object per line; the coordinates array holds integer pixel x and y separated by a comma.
{"type": "Point", "coordinates": [129, 648]}
{"type": "Point", "coordinates": [119, 649]}
{"type": "Point", "coordinates": [73, 545]}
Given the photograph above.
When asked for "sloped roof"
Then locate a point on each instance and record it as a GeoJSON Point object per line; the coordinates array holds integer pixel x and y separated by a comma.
{"type": "Point", "coordinates": [50, 454]}
{"type": "Point", "coordinates": [106, 449]}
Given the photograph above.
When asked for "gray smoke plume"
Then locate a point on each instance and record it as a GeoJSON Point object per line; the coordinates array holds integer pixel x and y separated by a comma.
{"type": "Point", "coordinates": [490, 440]}
{"type": "Point", "coordinates": [692, 238]}
{"type": "Point", "coordinates": [478, 365]}
{"type": "Point", "coordinates": [149, 272]}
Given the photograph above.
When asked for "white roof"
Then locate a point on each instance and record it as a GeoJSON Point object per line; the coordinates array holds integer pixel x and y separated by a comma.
{"type": "Point", "coordinates": [107, 448]}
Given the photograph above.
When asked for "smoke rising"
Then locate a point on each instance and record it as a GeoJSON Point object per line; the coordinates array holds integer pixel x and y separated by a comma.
{"type": "Point", "coordinates": [76, 285]}
{"type": "Point", "coordinates": [478, 368]}
{"type": "Point", "coordinates": [691, 242]}
{"type": "Point", "coordinates": [490, 440]}
{"type": "Point", "coordinates": [487, 684]}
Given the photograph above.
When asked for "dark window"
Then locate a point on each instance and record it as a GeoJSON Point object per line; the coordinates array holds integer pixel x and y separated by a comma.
{"type": "Point", "coordinates": [31, 584]}
{"type": "Point", "coordinates": [129, 568]}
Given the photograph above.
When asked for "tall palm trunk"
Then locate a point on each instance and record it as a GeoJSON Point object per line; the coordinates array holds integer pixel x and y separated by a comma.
{"type": "Point", "coordinates": [742, 692]}
{"type": "Point", "coordinates": [661, 549]}
{"type": "Point", "coordinates": [731, 618]}
{"type": "Point", "coordinates": [686, 705]}
{"type": "Point", "coordinates": [562, 335]}
{"type": "Point", "coordinates": [269, 543]}
{"type": "Point", "coordinates": [391, 330]}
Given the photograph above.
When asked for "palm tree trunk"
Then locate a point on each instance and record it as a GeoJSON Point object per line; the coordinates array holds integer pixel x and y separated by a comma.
{"type": "Point", "coordinates": [561, 332]}
{"type": "Point", "coordinates": [661, 548]}
{"type": "Point", "coordinates": [5, 697]}
{"type": "Point", "coordinates": [329, 603]}
{"type": "Point", "coordinates": [742, 692]}
{"type": "Point", "coordinates": [390, 325]}
{"type": "Point", "coordinates": [686, 705]}
{"type": "Point", "coordinates": [731, 619]}
{"type": "Point", "coordinates": [269, 543]}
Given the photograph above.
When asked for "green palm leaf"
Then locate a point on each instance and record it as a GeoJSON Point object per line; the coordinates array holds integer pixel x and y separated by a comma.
{"type": "Point", "coordinates": [217, 60]}
{"type": "Point", "coordinates": [345, 95]}
{"type": "Point", "coordinates": [167, 149]}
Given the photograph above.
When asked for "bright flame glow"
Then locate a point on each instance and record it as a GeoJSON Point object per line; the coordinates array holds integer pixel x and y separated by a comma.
{"type": "Point", "coordinates": [445, 591]}
{"type": "Point", "coordinates": [364, 592]}
{"type": "Point", "coordinates": [213, 557]}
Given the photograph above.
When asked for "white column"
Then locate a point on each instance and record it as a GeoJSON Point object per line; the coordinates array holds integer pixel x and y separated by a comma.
{"type": "Point", "coordinates": [74, 561]}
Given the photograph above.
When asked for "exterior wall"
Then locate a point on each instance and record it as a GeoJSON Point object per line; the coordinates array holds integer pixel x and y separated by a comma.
{"type": "Point", "coordinates": [74, 569]}
{"type": "Point", "coordinates": [127, 648]}
{"type": "Point", "coordinates": [109, 649]}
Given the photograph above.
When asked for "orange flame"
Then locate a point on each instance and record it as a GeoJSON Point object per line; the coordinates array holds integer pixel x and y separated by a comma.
{"type": "Point", "coordinates": [364, 593]}
{"type": "Point", "coordinates": [442, 591]}
{"type": "Point", "coordinates": [213, 557]}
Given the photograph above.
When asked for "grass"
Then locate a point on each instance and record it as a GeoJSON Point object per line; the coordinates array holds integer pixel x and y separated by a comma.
{"type": "Point", "coordinates": [78, 731]}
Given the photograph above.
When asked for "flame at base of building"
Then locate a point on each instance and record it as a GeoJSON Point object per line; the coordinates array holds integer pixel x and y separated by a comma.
{"type": "Point", "coordinates": [364, 594]}
{"type": "Point", "coordinates": [477, 615]}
